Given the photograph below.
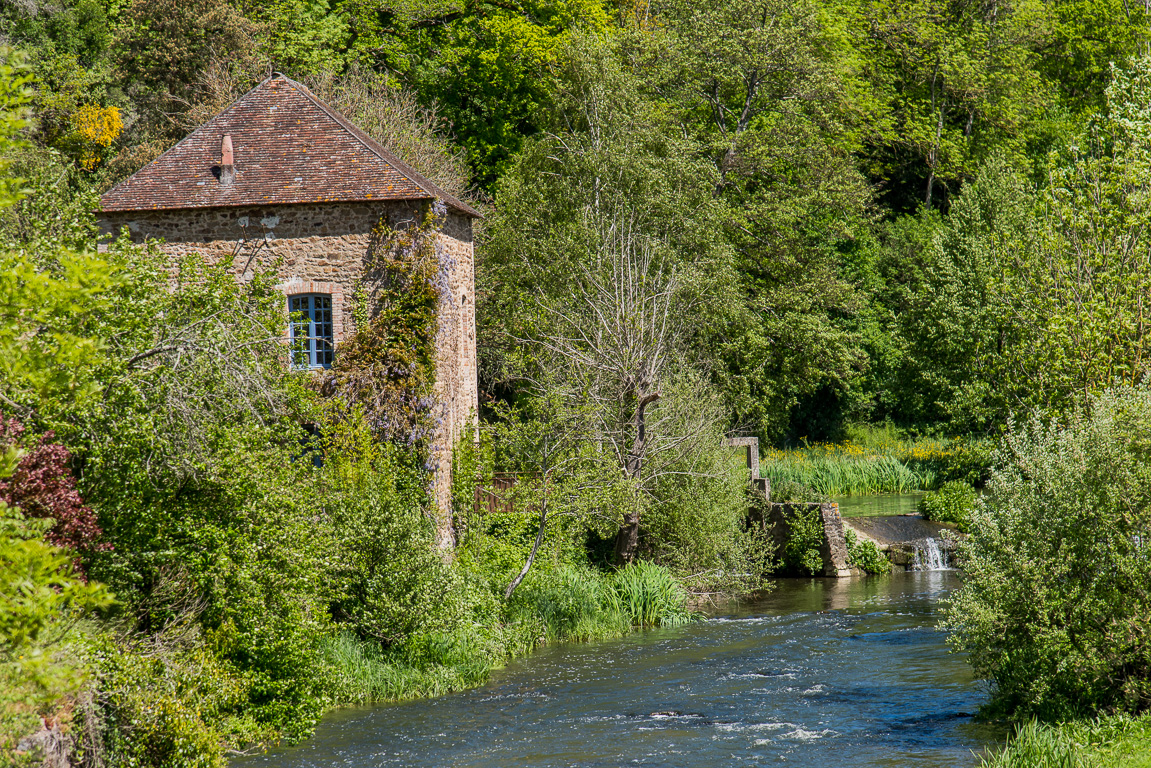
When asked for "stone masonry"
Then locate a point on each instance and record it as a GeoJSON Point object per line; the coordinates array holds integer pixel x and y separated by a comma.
{"type": "Point", "coordinates": [280, 180]}
{"type": "Point", "coordinates": [321, 248]}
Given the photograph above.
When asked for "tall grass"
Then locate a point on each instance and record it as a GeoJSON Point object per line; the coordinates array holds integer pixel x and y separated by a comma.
{"type": "Point", "coordinates": [650, 597]}
{"type": "Point", "coordinates": [877, 460]}
{"type": "Point", "coordinates": [1101, 743]}
{"type": "Point", "coordinates": [568, 603]}
{"type": "Point", "coordinates": [837, 470]}
{"type": "Point", "coordinates": [360, 672]}
{"type": "Point", "coordinates": [582, 604]}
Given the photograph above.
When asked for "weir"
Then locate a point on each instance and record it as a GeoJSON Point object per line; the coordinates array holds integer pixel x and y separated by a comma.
{"type": "Point", "coordinates": [780, 517]}
{"type": "Point", "coordinates": [908, 540]}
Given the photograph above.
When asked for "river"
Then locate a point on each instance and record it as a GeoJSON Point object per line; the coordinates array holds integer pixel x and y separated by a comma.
{"type": "Point", "coordinates": [820, 672]}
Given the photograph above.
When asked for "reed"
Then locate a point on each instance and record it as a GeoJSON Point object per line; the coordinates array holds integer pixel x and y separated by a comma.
{"type": "Point", "coordinates": [1101, 743]}
{"type": "Point", "coordinates": [649, 596]}
{"type": "Point", "coordinates": [361, 672]}
{"type": "Point", "coordinates": [841, 471]}
{"type": "Point", "coordinates": [877, 460]}
{"type": "Point", "coordinates": [571, 603]}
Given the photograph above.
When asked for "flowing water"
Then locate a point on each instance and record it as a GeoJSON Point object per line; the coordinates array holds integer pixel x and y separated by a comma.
{"type": "Point", "coordinates": [929, 556]}
{"type": "Point", "coordinates": [821, 672]}
{"type": "Point", "coordinates": [878, 504]}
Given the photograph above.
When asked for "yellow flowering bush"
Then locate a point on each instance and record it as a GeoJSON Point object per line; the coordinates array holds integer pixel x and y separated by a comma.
{"type": "Point", "coordinates": [97, 128]}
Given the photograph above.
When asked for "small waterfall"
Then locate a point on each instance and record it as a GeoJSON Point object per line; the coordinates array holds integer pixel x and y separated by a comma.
{"type": "Point", "coordinates": [929, 556]}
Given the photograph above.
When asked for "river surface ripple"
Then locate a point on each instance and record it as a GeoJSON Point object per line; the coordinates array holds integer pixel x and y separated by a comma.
{"type": "Point", "coordinates": [820, 672]}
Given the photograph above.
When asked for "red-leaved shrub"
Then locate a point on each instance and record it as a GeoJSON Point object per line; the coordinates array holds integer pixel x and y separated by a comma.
{"type": "Point", "coordinates": [43, 486]}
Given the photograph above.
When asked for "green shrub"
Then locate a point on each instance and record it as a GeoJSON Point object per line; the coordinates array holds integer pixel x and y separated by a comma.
{"type": "Point", "coordinates": [865, 555]}
{"type": "Point", "coordinates": [696, 527]}
{"type": "Point", "coordinates": [649, 596]}
{"type": "Point", "coordinates": [952, 503]}
{"type": "Point", "coordinates": [801, 553]}
{"type": "Point", "coordinates": [166, 706]}
{"type": "Point", "coordinates": [1056, 598]}
{"type": "Point", "coordinates": [387, 581]}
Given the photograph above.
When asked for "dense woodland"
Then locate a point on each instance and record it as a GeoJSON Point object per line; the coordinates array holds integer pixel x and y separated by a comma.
{"type": "Point", "coordinates": [804, 221]}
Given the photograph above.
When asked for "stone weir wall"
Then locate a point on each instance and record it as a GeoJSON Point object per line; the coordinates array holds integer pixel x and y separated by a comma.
{"type": "Point", "coordinates": [779, 518]}
{"type": "Point", "coordinates": [321, 248]}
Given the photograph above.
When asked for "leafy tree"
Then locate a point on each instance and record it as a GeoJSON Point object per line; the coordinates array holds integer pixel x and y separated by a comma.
{"type": "Point", "coordinates": [486, 64]}
{"type": "Point", "coordinates": [958, 327]}
{"type": "Point", "coordinates": [758, 86]}
{"type": "Point", "coordinates": [161, 46]}
{"type": "Point", "coordinates": [40, 602]}
{"type": "Point", "coordinates": [959, 80]}
{"type": "Point", "coordinates": [300, 37]}
{"type": "Point", "coordinates": [1078, 292]}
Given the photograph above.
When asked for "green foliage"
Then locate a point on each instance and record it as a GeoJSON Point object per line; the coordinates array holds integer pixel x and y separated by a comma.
{"type": "Point", "coordinates": [865, 555]}
{"type": "Point", "coordinates": [649, 596]}
{"type": "Point", "coordinates": [165, 706]}
{"type": "Point", "coordinates": [1055, 597]}
{"type": "Point", "coordinates": [834, 471]}
{"type": "Point", "coordinates": [55, 214]}
{"type": "Point", "coordinates": [302, 36]}
{"type": "Point", "coordinates": [801, 553]}
{"type": "Point", "coordinates": [41, 599]}
{"type": "Point", "coordinates": [489, 65]}
{"type": "Point", "coordinates": [952, 503]}
{"type": "Point", "coordinates": [14, 98]}
{"type": "Point", "coordinates": [388, 367]}
{"type": "Point", "coordinates": [361, 672]}
{"type": "Point", "coordinates": [387, 582]}
{"type": "Point", "coordinates": [1100, 743]}
{"type": "Point", "coordinates": [571, 603]}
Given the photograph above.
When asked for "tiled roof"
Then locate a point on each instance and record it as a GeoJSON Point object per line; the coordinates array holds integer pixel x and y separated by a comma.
{"type": "Point", "coordinates": [289, 147]}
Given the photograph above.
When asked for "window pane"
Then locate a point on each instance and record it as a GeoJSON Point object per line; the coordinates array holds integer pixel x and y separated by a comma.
{"type": "Point", "coordinates": [312, 331]}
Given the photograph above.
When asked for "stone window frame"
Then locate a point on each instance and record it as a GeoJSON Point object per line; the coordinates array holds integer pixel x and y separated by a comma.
{"type": "Point", "coordinates": [298, 287]}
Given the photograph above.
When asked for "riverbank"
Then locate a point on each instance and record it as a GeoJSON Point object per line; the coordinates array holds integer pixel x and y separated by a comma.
{"type": "Point", "coordinates": [1105, 742]}
{"type": "Point", "coordinates": [876, 460]}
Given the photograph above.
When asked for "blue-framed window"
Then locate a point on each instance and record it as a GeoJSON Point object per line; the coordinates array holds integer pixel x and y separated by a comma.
{"type": "Point", "coordinates": [310, 330]}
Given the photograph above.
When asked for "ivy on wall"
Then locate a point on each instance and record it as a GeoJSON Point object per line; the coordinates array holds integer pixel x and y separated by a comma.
{"type": "Point", "coordinates": [387, 367]}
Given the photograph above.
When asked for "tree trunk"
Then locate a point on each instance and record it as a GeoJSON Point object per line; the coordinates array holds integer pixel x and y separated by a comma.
{"type": "Point", "coordinates": [627, 540]}
{"type": "Point", "coordinates": [532, 557]}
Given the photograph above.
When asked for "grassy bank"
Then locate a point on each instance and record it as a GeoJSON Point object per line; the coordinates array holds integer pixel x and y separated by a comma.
{"type": "Point", "coordinates": [877, 460]}
{"type": "Point", "coordinates": [1110, 741]}
{"type": "Point", "coordinates": [569, 603]}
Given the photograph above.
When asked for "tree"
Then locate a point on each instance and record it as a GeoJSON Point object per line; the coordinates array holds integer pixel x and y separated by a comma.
{"type": "Point", "coordinates": [599, 257]}
{"type": "Point", "coordinates": [488, 65]}
{"type": "Point", "coordinates": [163, 45]}
{"type": "Point", "coordinates": [611, 345]}
{"type": "Point", "coordinates": [959, 81]}
{"type": "Point", "coordinates": [768, 96]}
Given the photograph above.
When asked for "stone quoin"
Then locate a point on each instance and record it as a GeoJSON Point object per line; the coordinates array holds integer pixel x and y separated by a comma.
{"type": "Point", "coordinates": [281, 177]}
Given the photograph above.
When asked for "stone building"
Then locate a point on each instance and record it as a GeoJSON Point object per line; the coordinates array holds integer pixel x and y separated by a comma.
{"type": "Point", "coordinates": [281, 174]}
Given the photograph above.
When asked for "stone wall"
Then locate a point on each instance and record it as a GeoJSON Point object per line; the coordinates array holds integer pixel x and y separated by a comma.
{"type": "Point", "coordinates": [321, 248]}
{"type": "Point", "coordinates": [778, 518]}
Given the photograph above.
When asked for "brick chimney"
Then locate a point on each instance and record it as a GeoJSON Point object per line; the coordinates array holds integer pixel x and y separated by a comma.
{"type": "Point", "coordinates": [227, 168]}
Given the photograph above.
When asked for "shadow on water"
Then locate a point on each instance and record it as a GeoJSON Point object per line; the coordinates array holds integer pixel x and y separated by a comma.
{"type": "Point", "coordinates": [847, 672]}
